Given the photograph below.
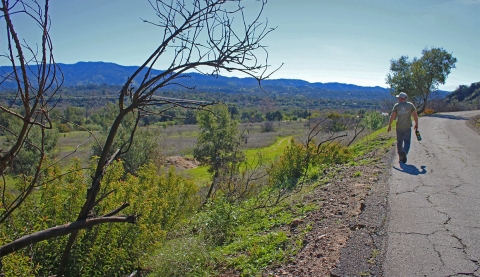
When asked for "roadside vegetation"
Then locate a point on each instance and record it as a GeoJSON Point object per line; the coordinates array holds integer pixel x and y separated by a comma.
{"type": "Point", "coordinates": [182, 230]}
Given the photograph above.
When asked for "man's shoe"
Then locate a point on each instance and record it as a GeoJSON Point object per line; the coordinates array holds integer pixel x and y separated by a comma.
{"type": "Point", "coordinates": [403, 157]}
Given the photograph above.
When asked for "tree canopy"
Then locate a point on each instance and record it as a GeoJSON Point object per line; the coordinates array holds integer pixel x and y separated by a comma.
{"type": "Point", "coordinates": [420, 76]}
{"type": "Point", "coordinates": [218, 143]}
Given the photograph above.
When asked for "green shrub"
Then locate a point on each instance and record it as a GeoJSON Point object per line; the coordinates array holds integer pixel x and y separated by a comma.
{"type": "Point", "coordinates": [182, 257]}
{"type": "Point", "coordinates": [18, 264]}
{"type": "Point", "coordinates": [296, 159]}
{"type": "Point", "coordinates": [285, 172]}
{"type": "Point", "coordinates": [373, 120]}
{"type": "Point", "coordinates": [63, 128]}
{"type": "Point", "coordinates": [113, 249]}
{"type": "Point", "coordinates": [217, 222]}
{"type": "Point", "coordinates": [332, 153]}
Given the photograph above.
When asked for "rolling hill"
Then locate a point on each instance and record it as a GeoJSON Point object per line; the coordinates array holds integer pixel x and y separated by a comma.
{"type": "Point", "coordinates": [111, 74]}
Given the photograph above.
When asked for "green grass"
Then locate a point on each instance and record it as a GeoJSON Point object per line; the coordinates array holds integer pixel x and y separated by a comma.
{"type": "Point", "coordinates": [259, 240]}
{"type": "Point", "coordinates": [378, 140]}
{"type": "Point", "coordinates": [357, 174]}
{"type": "Point", "coordinates": [78, 142]}
{"type": "Point", "coordinates": [268, 153]}
{"type": "Point", "coordinates": [201, 176]}
{"type": "Point", "coordinates": [9, 183]}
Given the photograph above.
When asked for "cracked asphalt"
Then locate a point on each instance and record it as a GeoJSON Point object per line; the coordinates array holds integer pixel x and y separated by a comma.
{"type": "Point", "coordinates": [434, 202]}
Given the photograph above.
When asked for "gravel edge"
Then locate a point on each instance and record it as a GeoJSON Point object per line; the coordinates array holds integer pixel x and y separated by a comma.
{"type": "Point", "coordinates": [364, 252]}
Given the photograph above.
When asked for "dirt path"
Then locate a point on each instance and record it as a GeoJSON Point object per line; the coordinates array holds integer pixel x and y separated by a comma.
{"type": "Point", "coordinates": [280, 142]}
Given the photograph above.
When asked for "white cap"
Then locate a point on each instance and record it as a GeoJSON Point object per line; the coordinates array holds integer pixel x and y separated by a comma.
{"type": "Point", "coordinates": [402, 95]}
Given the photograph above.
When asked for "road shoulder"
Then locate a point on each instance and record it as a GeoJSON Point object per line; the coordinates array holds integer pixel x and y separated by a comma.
{"type": "Point", "coordinates": [364, 252]}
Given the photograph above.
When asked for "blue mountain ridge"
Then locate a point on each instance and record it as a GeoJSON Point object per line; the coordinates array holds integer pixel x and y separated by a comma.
{"type": "Point", "coordinates": [106, 73]}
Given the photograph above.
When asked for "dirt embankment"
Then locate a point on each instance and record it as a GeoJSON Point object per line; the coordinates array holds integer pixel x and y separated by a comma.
{"type": "Point", "coordinates": [181, 162]}
{"type": "Point", "coordinates": [348, 234]}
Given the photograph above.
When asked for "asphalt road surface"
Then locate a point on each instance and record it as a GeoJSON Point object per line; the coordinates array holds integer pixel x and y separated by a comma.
{"type": "Point", "coordinates": [434, 199]}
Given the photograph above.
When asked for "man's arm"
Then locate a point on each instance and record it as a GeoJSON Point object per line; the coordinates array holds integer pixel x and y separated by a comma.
{"type": "Point", "coordinates": [392, 117]}
{"type": "Point", "coordinates": [415, 117]}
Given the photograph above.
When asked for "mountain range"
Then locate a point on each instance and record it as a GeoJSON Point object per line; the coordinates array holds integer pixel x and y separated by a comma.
{"type": "Point", "coordinates": [111, 74]}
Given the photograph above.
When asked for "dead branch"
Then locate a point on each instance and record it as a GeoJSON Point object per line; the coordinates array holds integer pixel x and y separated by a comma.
{"type": "Point", "coordinates": [62, 230]}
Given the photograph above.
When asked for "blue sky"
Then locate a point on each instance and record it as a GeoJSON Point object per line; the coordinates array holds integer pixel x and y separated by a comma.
{"type": "Point", "coordinates": [347, 41]}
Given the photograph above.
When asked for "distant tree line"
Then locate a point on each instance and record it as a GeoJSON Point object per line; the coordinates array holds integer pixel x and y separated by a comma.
{"type": "Point", "coordinates": [96, 96]}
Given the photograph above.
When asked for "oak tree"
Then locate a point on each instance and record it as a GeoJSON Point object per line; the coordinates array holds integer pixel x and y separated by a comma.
{"type": "Point", "coordinates": [419, 77]}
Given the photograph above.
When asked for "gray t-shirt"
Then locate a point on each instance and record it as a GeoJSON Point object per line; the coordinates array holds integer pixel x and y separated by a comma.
{"type": "Point", "coordinates": [404, 112]}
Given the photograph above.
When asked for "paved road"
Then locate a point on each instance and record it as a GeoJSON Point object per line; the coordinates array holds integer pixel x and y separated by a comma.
{"type": "Point", "coordinates": [434, 199]}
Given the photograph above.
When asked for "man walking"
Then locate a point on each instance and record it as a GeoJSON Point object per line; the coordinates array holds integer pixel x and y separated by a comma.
{"type": "Point", "coordinates": [403, 111]}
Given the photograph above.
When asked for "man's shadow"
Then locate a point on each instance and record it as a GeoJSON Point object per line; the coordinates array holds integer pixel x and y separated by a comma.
{"type": "Point", "coordinates": [411, 169]}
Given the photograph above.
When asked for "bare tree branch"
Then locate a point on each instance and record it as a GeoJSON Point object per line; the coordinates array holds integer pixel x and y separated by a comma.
{"type": "Point", "coordinates": [62, 230]}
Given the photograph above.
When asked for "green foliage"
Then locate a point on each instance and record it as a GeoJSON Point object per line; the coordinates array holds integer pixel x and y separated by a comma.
{"type": "Point", "coordinates": [252, 115]}
{"type": "Point", "coordinates": [268, 126]}
{"type": "Point", "coordinates": [285, 172]}
{"type": "Point", "coordinates": [465, 93]}
{"type": "Point", "coordinates": [107, 249]}
{"type": "Point", "coordinates": [257, 252]}
{"type": "Point", "coordinates": [75, 115]}
{"type": "Point", "coordinates": [182, 257]}
{"type": "Point", "coordinates": [224, 234]}
{"type": "Point", "coordinates": [144, 149]}
{"type": "Point", "coordinates": [332, 153]}
{"type": "Point", "coordinates": [337, 121]}
{"type": "Point", "coordinates": [249, 240]}
{"type": "Point", "coordinates": [338, 126]}
{"type": "Point", "coordinates": [296, 159]}
{"type": "Point", "coordinates": [373, 120]}
{"type": "Point", "coordinates": [93, 127]}
{"type": "Point", "coordinates": [218, 145]}
{"type": "Point", "coordinates": [104, 116]}
{"type": "Point", "coordinates": [258, 241]}
{"type": "Point", "coordinates": [213, 227]}
{"type": "Point", "coordinates": [218, 139]}
{"type": "Point", "coordinates": [63, 128]}
{"type": "Point", "coordinates": [420, 76]}
{"type": "Point", "coordinates": [334, 115]}
{"type": "Point", "coordinates": [190, 117]}
{"type": "Point", "coordinates": [18, 264]}
{"type": "Point", "coordinates": [376, 141]}
{"type": "Point", "coordinates": [218, 221]}
{"type": "Point", "coordinates": [274, 116]}
{"type": "Point", "coordinates": [31, 151]}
